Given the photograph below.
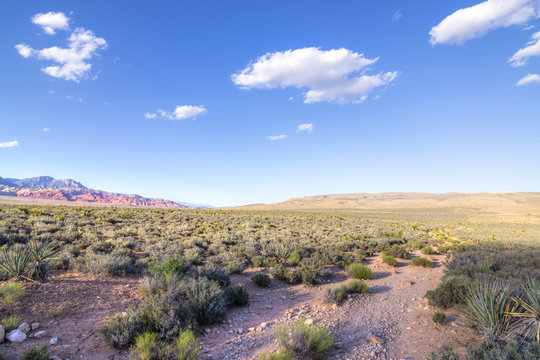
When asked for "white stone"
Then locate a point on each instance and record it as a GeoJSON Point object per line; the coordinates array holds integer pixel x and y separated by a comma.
{"type": "Point", "coordinates": [16, 336]}
{"type": "Point", "coordinates": [24, 327]}
{"type": "Point", "coordinates": [39, 334]}
{"type": "Point", "coordinates": [53, 341]}
{"type": "Point", "coordinates": [34, 326]}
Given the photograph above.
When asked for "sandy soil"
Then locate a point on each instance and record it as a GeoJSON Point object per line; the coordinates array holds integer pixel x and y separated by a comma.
{"type": "Point", "coordinates": [394, 310]}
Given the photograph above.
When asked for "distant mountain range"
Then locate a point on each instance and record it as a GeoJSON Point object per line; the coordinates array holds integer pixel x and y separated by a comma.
{"type": "Point", "coordinates": [49, 188]}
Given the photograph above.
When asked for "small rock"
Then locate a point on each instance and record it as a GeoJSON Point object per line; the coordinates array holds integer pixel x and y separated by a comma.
{"type": "Point", "coordinates": [251, 329]}
{"type": "Point", "coordinates": [24, 327]}
{"type": "Point", "coordinates": [16, 336]}
{"type": "Point", "coordinates": [263, 325]}
{"type": "Point", "coordinates": [258, 329]}
{"type": "Point", "coordinates": [53, 341]}
{"type": "Point", "coordinates": [34, 326]}
{"type": "Point", "coordinates": [375, 339]}
{"type": "Point", "coordinates": [338, 345]}
{"type": "Point", "coordinates": [39, 334]}
{"type": "Point", "coordinates": [410, 283]}
{"type": "Point", "coordinates": [206, 350]}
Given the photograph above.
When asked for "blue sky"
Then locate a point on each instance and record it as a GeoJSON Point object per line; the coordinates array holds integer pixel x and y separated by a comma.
{"type": "Point", "coordinates": [392, 95]}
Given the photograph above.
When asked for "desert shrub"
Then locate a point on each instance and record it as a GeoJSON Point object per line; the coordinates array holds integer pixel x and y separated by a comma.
{"type": "Point", "coordinates": [304, 341]}
{"type": "Point", "coordinates": [309, 271]}
{"type": "Point", "coordinates": [526, 313]}
{"type": "Point", "coordinates": [451, 291]}
{"type": "Point", "coordinates": [276, 355]}
{"type": "Point", "coordinates": [398, 251]}
{"type": "Point", "coordinates": [294, 258]}
{"type": "Point", "coordinates": [11, 293]}
{"type": "Point", "coordinates": [187, 346]}
{"type": "Point", "coordinates": [336, 295]}
{"type": "Point", "coordinates": [427, 250]}
{"type": "Point", "coordinates": [292, 277]}
{"type": "Point", "coordinates": [151, 286]}
{"type": "Point", "coordinates": [389, 259]}
{"type": "Point", "coordinates": [237, 295]}
{"type": "Point", "coordinates": [11, 322]}
{"type": "Point", "coordinates": [360, 255]}
{"type": "Point", "coordinates": [486, 305]}
{"type": "Point", "coordinates": [421, 261]}
{"type": "Point", "coordinates": [108, 264]}
{"type": "Point", "coordinates": [30, 261]}
{"type": "Point", "coordinates": [358, 287]}
{"type": "Point", "coordinates": [148, 347]}
{"type": "Point", "coordinates": [279, 272]}
{"type": "Point", "coordinates": [359, 271]}
{"type": "Point", "coordinates": [206, 300]}
{"type": "Point", "coordinates": [502, 351]}
{"type": "Point", "coordinates": [120, 331]}
{"type": "Point", "coordinates": [167, 314]}
{"type": "Point", "coordinates": [167, 268]}
{"type": "Point", "coordinates": [215, 273]}
{"type": "Point", "coordinates": [39, 352]}
{"type": "Point", "coordinates": [261, 279]}
{"type": "Point", "coordinates": [443, 249]}
{"type": "Point", "coordinates": [438, 318]}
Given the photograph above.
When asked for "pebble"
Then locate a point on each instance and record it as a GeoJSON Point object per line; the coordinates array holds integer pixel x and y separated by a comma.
{"type": "Point", "coordinates": [34, 326]}
{"type": "Point", "coordinates": [53, 341]}
{"type": "Point", "coordinates": [39, 334]}
{"type": "Point", "coordinates": [24, 327]}
{"type": "Point", "coordinates": [16, 336]}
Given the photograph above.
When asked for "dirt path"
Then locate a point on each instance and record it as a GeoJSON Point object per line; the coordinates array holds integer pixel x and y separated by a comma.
{"type": "Point", "coordinates": [394, 310]}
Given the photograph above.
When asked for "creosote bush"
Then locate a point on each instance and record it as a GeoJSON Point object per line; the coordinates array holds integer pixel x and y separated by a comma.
{"type": "Point", "coordinates": [149, 347]}
{"type": "Point", "coordinates": [389, 259]}
{"type": "Point", "coordinates": [237, 295]}
{"type": "Point", "coordinates": [337, 294]}
{"type": "Point", "coordinates": [438, 318]}
{"type": "Point", "coordinates": [187, 346]}
{"type": "Point", "coordinates": [359, 271]}
{"type": "Point", "coordinates": [304, 341]}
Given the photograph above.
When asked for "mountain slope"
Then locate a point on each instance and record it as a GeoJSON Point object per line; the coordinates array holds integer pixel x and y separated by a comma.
{"type": "Point", "coordinates": [47, 182]}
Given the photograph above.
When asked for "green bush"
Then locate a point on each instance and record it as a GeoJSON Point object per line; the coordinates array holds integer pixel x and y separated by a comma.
{"type": "Point", "coordinates": [304, 341]}
{"type": "Point", "coordinates": [215, 273]}
{"type": "Point", "coordinates": [39, 352]}
{"type": "Point", "coordinates": [11, 322]}
{"type": "Point", "coordinates": [261, 279]}
{"type": "Point", "coordinates": [167, 268]}
{"type": "Point", "coordinates": [398, 251]}
{"type": "Point", "coordinates": [120, 331]}
{"type": "Point", "coordinates": [359, 271]}
{"type": "Point", "coordinates": [389, 259]}
{"type": "Point", "coordinates": [337, 294]}
{"type": "Point", "coordinates": [238, 295]}
{"type": "Point", "coordinates": [276, 355]}
{"type": "Point", "coordinates": [443, 249]}
{"type": "Point", "coordinates": [439, 318]}
{"type": "Point", "coordinates": [187, 346]}
{"type": "Point", "coordinates": [309, 270]}
{"type": "Point", "coordinates": [294, 259]}
{"type": "Point", "coordinates": [106, 264]}
{"type": "Point", "coordinates": [421, 261]}
{"type": "Point", "coordinates": [451, 291]}
{"type": "Point", "coordinates": [427, 250]}
{"type": "Point", "coordinates": [206, 300]}
{"type": "Point", "coordinates": [11, 293]}
{"type": "Point", "coordinates": [148, 347]}
{"type": "Point", "coordinates": [358, 287]}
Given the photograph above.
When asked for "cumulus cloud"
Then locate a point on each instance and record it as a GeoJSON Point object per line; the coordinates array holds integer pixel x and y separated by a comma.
{"type": "Point", "coordinates": [51, 21]}
{"type": "Point", "coordinates": [521, 57]}
{"type": "Point", "coordinates": [477, 20]}
{"type": "Point", "coordinates": [9, 144]}
{"type": "Point", "coordinates": [179, 113]}
{"type": "Point", "coordinates": [529, 79]}
{"type": "Point", "coordinates": [308, 127]}
{"type": "Point", "coordinates": [72, 62]}
{"type": "Point", "coordinates": [337, 75]}
{"type": "Point", "coordinates": [276, 137]}
{"type": "Point", "coordinates": [46, 129]}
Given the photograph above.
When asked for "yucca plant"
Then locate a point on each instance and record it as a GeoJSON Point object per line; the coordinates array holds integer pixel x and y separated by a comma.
{"type": "Point", "coordinates": [41, 253]}
{"type": "Point", "coordinates": [488, 304]}
{"type": "Point", "coordinates": [527, 312]}
{"type": "Point", "coordinates": [16, 261]}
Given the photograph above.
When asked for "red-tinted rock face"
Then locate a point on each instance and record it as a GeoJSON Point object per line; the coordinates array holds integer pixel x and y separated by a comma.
{"type": "Point", "coordinates": [95, 196]}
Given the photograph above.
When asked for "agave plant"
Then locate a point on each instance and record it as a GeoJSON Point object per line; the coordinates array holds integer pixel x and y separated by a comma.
{"type": "Point", "coordinates": [488, 305]}
{"type": "Point", "coordinates": [528, 311]}
{"type": "Point", "coordinates": [16, 261]}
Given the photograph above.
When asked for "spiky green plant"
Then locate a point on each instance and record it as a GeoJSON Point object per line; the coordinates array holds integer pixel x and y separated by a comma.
{"type": "Point", "coordinates": [527, 311]}
{"type": "Point", "coordinates": [16, 261]}
{"type": "Point", "coordinates": [187, 346]}
{"type": "Point", "coordinates": [488, 304]}
{"type": "Point", "coordinates": [41, 253]}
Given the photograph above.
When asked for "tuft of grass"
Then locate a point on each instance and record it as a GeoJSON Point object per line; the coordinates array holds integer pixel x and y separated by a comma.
{"type": "Point", "coordinates": [439, 318]}
{"type": "Point", "coordinates": [187, 346]}
{"type": "Point", "coordinates": [11, 322]}
{"type": "Point", "coordinates": [427, 250]}
{"type": "Point", "coordinates": [148, 347]}
{"type": "Point", "coordinates": [359, 271]}
{"type": "Point", "coordinates": [276, 355]}
{"type": "Point", "coordinates": [421, 261]}
{"type": "Point", "coordinates": [527, 314]}
{"type": "Point", "coordinates": [11, 293]}
{"type": "Point", "coordinates": [40, 352]}
{"type": "Point", "coordinates": [304, 341]}
{"type": "Point", "coordinates": [358, 287]}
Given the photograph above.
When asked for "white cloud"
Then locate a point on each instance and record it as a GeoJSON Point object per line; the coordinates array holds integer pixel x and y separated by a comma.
{"type": "Point", "coordinates": [529, 79]}
{"type": "Point", "coordinates": [51, 21]}
{"type": "Point", "coordinates": [335, 75]}
{"type": "Point", "coordinates": [73, 65]}
{"type": "Point", "coordinates": [9, 144]}
{"type": "Point", "coordinates": [521, 57]}
{"type": "Point", "coordinates": [276, 137]}
{"type": "Point", "coordinates": [477, 20]}
{"type": "Point", "coordinates": [306, 127]}
{"type": "Point", "coordinates": [179, 113]}
{"type": "Point", "coordinates": [46, 129]}
{"type": "Point", "coordinates": [397, 16]}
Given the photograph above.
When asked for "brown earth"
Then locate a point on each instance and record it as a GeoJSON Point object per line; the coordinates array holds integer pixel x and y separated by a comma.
{"type": "Point", "coordinates": [394, 309]}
